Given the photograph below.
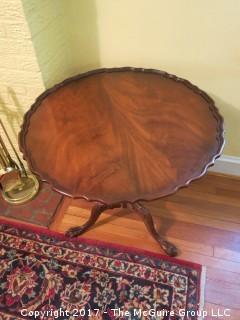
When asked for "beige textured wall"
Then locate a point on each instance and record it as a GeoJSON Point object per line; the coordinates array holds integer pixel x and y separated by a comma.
{"type": "Point", "coordinates": [83, 33]}
{"type": "Point", "coordinates": [20, 76]}
{"type": "Point", "coordinates": [50, 28]}
{"type": "Point", "coordinates": [64, 36]}
{"type": "Point", "coordinates": [197, 40]}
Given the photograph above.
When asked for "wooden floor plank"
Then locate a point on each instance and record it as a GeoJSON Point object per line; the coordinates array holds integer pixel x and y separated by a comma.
{"type": "Point", "coordinates": [215, 311]}
{"type": "Point", "coordinates": [230, 214]}
{"type": "Point", "coordinates": [227, 254]}
{"type": "Point", "coordinates": [199, 219]}
{"type": "Point", "coordinates": [223, 293]}
{"type": "Point", "coordinates": [220, 275]}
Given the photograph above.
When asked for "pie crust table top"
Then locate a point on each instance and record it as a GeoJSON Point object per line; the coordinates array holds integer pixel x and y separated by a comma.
{"type": "Point", "coordinates": [126, 134]}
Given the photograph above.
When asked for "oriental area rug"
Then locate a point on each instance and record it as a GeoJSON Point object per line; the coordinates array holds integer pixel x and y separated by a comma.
{"type": "Point", "coordinates": [44, 275]}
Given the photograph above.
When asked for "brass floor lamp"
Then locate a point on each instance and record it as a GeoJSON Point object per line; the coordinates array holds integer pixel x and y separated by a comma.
{"type": "Point", "coordinates": [17, 185]}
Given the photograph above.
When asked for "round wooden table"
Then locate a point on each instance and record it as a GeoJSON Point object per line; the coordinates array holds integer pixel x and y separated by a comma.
{"type": "Point", "coordinates": [122, 136]}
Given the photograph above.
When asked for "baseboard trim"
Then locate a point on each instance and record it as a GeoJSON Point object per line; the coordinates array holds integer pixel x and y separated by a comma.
{"type": "Point", "coordinates": [227, 165]}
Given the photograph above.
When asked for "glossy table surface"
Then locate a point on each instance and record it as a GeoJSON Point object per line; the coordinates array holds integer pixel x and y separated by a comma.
{"type": "Point", "coordinates": [121, 135]}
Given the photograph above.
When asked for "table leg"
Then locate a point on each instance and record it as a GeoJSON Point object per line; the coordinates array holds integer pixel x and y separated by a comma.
{"type": "Point", "coordinates": [95, 213]}
{"type": "Point", "coordinates": [145, 213]}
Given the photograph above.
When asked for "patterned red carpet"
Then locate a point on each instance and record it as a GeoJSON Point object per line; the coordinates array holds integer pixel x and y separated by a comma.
{"type": "Point", "coordinates": [46, 276]}
{"type": "Point", "coordinates": [39, 210]}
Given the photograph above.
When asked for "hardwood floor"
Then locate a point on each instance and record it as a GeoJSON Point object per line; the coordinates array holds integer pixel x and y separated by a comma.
{"type": "Point", "coordinates": [203, 220]}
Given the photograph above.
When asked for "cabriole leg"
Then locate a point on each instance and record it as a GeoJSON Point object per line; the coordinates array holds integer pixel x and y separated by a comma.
{"type": "Point", "coordinates": [95, 213]}
{"type": "Point", "coordinates": [145, 213]}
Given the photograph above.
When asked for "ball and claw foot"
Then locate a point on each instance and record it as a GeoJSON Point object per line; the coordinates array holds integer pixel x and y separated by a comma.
{"type": "Point", "coordinates": [169, 248]}
{"type": "Point", "coordinates": [75, 231]}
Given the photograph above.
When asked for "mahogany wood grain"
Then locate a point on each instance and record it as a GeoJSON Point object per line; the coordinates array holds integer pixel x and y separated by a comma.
{"type": "Point", "coordinates": [121, 135]}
